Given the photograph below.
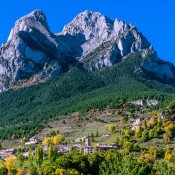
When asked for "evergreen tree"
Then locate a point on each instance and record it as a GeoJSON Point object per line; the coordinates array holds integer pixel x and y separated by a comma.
{"type": "Point", "coordinates": [39, 154]}
{"type": "Point", "coordinates": [20, 158]}
{"type": "Point", "coordinates": [52, 154]}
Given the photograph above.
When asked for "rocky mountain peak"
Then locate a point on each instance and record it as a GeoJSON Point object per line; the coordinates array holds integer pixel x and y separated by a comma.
{"type": "Point", "coordinates": [91, 40]}
{"type": "Point", "coordinates": [29, 50]}
{"type": "Point", "coordinates": [90, 24]}
{"type": "Point", "coordinates": [35, 19]}
{"type": "Point", "coordinates": [93, 31]}
{"type": "Point", "coordinates": [120, 26]}
{"type": "Point", "coordinates": [95, 25]}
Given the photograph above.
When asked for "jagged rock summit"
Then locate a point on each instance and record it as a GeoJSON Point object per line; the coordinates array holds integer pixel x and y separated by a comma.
{"type": "Point", "coordinates": [36, 19]}
{"type": "Point", "coordinates": [114, 39]}
{"type": "Point", "coordinates": [31, 51]}
{"type": "Point", "coordinates": [91, 39]}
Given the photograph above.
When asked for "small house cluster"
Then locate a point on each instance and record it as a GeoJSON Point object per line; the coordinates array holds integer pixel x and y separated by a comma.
{"type": "Point", "coordinates": [32, 141]}
{"type": "Point", "coordinates": [100, 147]}
{"type": "Point", "coordinates": [86, 148]}
{"type": "Point", "coordinates": [6, 153]}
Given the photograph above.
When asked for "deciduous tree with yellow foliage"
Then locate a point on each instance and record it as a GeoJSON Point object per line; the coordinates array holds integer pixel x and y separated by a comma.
{"type": "Point", "coordinates": [10, 163]}
{"type": "Point", "coordinates": [58, 139]}
{"type": "Point", "coordinates": [112, 128]}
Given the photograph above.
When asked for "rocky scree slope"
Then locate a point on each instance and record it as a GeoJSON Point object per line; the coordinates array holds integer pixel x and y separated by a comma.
{"type": "Point", "coordinates": [90, 40]}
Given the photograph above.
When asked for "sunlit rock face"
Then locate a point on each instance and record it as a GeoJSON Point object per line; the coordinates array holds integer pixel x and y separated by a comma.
{"type": "Point", "coordinates": [29, 50]}
{"type": "Point", "coordinates": [103, 40]}
{"type": "Point", "coordinates": [91, 40]}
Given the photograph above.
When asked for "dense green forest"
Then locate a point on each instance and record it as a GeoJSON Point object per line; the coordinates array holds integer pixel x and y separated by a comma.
{"type": "Point", "coordinates": [29, 109]}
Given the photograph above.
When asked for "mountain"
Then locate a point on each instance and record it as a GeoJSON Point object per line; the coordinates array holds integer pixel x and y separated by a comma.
{"type": "Point", "coordinates": [31, 51]}
{"type": "Point", "coordinates": [102, 41]}
{"type": "Point", "coordinates": [93, 64]}
{"type": "Point", "coordinates": [91, 41]}
{"type": "Point", "coordinates": [26, 111]}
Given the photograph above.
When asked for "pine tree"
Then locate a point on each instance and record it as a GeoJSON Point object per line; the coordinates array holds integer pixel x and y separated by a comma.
{"type": "Point", "coordinates": [20, 158]}
{"type": "Point", "coordinates": [51, 154]}
{"type": "Point", "coordinates": [30, 157]}
{"type": "Point", "coordinates": [39, 156]}
{"type": "Point", "coordinates": [97, 134]}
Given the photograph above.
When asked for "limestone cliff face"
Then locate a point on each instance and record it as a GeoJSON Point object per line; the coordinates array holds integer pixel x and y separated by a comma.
{"type": "Point", "coordinates": [102, 41]}
{"type": "Point", "coordinates": [30, 51]}
{"type": "Point", "coordinates": [91, 39]}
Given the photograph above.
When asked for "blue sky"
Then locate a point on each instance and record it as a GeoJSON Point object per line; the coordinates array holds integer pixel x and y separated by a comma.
{"type": "Point", "coordinates": [154, 18]}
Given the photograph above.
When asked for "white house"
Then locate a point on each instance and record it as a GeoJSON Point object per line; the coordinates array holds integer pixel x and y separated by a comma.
{"type": "Point", "coordinates": [32, 141]}
{"type": "Point", "coordinates": [135, 123]}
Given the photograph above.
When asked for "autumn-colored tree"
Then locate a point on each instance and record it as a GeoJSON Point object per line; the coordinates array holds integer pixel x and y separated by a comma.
{"type": "Point", "coordinates": [153, 152]}
{"type": "Point", "coordinates": [60, 171]}
{"type": "Point", "coordinates": [143, 124]}
{"type": "Point", "coordinates": [169, 128]}
{"type": "Point", "coordinates": [159, 120]}
{"type": "Point", "coordinates": [10, 163]}
{"type": "Point", "coordinates": [137, 131]}
{"type": "Point", "coordinates": [145, 136]}
{"type": "Point", "coordinates": [127, 133]}
{"type": "Point", "coordinates": [150, 122]}
{"type": "Point", "coordinates": [148, 156]}
{"type": "Point", "coordinates": [67, 172]}
{"type": "Point", "coordinates": [125, 151]}
{"type": "Point", "coordinates": [122, 121]}
{"type": "Point", "coordinates": [22, 141]}
{"type": "Point", "coordinates": [58, 139]}
{"type": "Point", "coordinates": [157, 130]}
{"type": "Point", "coordinates": [112, 128]}
{"type": "Point", "coordinates": [169, 157]}
{"type": "Point", "coordinates": [21, 172]}
{"type": "Point", "coordinates": [47, 141]}
{"type": "Point", "coordinates": [166, 138]}
{"type": "Point", "coordinates": [1, 165]}
{"type": "Point", "coordinates": [73, 172]}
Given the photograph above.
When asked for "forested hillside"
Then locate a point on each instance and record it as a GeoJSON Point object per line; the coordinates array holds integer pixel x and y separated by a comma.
{"type": "Point", "coordinates": [27, 110]}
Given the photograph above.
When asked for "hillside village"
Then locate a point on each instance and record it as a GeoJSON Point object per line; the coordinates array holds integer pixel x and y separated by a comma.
{"type": "Point", "coordinates": [93, 99]}
{"type": "Point", "coordinates": [86, 148]}
{"type": "Point", "coordinates": [105, 133]}
{"type": "Point", "coordinates": [81, 144]}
